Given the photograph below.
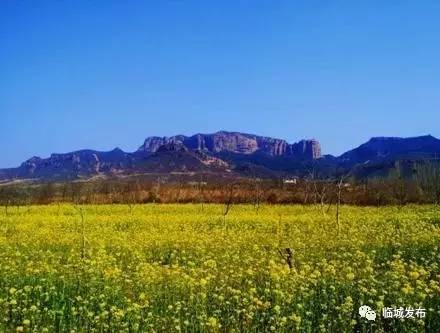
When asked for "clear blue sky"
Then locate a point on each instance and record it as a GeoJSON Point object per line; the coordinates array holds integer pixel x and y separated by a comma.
{"type": "Point", "coordinates": [100, 74]}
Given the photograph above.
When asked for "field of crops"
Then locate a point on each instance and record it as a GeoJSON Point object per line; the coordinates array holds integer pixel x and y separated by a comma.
{"type": "Point", "coordinates": [188, 268]}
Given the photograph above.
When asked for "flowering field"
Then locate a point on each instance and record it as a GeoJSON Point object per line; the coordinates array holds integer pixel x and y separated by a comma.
{"type": "Point", "coordinates": [189, 268]}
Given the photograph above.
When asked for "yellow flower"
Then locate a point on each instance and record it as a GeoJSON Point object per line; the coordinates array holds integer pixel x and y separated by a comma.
{"type": "Point", "coordinates": [407, 289]}
{"type": "Point", "coordinates": [212, 322]}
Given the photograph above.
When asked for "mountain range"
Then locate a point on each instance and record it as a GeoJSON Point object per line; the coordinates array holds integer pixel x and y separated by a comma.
{"type": "Point", "coordinates": [230, 153]}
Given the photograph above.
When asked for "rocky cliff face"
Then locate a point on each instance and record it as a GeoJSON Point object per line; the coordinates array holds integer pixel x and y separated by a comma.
{"type": "Point", "coordinates": [273, 147]}
{"type": "Point", "coordinates": [238, 143]}
{"type": "Point", "coordinates": [309, 148]}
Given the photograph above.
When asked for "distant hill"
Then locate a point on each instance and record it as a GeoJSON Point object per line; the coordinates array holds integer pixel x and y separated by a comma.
{"type": "Point", "coordinates": [232, 153]}
{"type": "Point", "coordinates": [391, 148]}
{"type": "Point", "coordinates": [382, 155]}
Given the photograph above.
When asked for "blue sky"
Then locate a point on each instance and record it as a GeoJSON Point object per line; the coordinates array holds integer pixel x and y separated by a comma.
{"type": "Point", "coordinates": [100, 74]}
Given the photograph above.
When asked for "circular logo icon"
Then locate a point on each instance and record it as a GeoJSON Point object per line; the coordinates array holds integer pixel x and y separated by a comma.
{"type": "Point", "coordinates": [370, 315]}
{"type": "Point", "coordinates": [366, 312]}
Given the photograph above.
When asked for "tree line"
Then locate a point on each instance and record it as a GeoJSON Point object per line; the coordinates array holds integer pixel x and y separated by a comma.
{"type": "Point", "coordinates": [422, 186]}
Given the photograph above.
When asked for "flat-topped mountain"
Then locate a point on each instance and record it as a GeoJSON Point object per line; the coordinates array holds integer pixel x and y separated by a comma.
{"type": "Point", "coordinates": [231, 153]}
{"type": "Point", "coordinates": [239, 143]}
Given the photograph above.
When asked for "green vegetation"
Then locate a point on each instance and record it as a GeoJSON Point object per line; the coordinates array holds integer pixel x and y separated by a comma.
{"type": "Point", "coordinates": [211, 268]}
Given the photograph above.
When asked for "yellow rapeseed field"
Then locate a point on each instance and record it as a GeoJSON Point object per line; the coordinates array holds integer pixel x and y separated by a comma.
{"type": "Point", "coordinates": [188, 268]}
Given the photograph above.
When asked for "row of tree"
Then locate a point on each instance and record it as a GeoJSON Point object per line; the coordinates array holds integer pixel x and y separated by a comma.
{"type": "Point", "coordinates": [422, 186]}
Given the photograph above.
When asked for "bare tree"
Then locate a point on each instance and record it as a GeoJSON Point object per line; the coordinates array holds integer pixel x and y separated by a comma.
{"type": "Point", "coordinates": [76, 189]}
{"type": "Point", "coordinates": [156, 190]}
{"type": "Point", "coordinates": [306, 191]}
{"type": "Point", "coordinates": [46, 193]}
{"type": "Point", "coordinates": [64, 192]}
{"type": "Point", "coordinates": [201, 193]}
{"type": "Point", "coordinates": [320, 188]}
{"type": "Point", "coordinates": [399, 183]}
{"type": "Point", "coordinates": [130, 196]}
{"type": "Point", "coordinates": [179, 190]}
{"type": "Point", "coordinates": [339, 187]}
{"type": "Point", "coordinates": [228, 202]}
{"type": "Point", "coordinates": [257, 193]}
{"type": "Point", "coordinates": [286, 253]}
{"type": "Point", "coordinates": [227, 205]}
{"type": "Point", "coordinates": [428, 178]}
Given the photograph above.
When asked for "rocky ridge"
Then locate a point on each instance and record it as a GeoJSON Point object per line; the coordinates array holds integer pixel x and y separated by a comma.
{"type": "Point", "coordinates": [238, 143]}
{"type": "Point", "coordinates": [235, 153]}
